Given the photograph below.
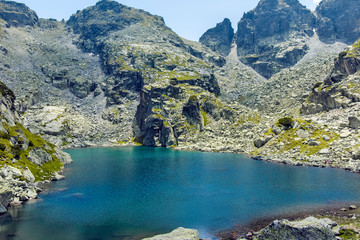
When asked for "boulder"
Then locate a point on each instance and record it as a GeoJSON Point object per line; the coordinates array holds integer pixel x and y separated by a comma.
{"type": "Point", "coordinates": [326, 138]}
{"type": "Point", "coordinates": [178, 234]}
{"type": "Point", "coordinates": [352, 207]}
{"type": "Point", "coordinates": [314, 143]}
{"type": "Point", "coordinates": [57, 177]}
{"type": "Point", "coordinates": [345, 133]}
{"type": "Point", "coordinates": [276, 129]}
{"type": "Point", "coordinates": [324, 151]}
{"type": "Point", "coordinates": [309, 228]}
{"type": "Point", "coordinates": [354, 122]}
{"type": "Point", "coordinates": [6, 196]}
{"type": "Point", "coordinates": [2, 209]}
{"type": "Point", "coordinates": [28, 175]}
{"type": "Point", "coordinates": [262, 141]}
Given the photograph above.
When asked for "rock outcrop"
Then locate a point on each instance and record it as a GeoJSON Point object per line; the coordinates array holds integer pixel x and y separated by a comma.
{"type": "Point", "coordinates": [17, 14]}
{"type": "Point", "coordinates": [309, 228]}
{"type": "Point", "coordinates": [339, 89]}
{"type": "Point", "coordinates": [25, 158]}
{"type": "Point", "coordinates": [273, 35]}
{"type": "Point", "coordinates": [219, 38]}
{"type": "Point", "coordinates": [338, 20]}
{"type": "Point", "coordinates": [178, 234]}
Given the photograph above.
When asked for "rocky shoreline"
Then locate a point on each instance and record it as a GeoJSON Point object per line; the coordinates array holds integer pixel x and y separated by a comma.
{"type": "Point", "coordinates": [329, 222]}
{"type": "Point", "coordinates": [345, 215]}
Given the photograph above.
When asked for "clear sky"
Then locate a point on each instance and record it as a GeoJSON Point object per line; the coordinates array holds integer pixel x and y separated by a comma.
{"type": "Point", "coordinates": [188, 18]}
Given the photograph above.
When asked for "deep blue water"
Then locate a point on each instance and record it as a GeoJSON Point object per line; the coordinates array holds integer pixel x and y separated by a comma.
{"type": "Point", "coordinates": [132, 192]}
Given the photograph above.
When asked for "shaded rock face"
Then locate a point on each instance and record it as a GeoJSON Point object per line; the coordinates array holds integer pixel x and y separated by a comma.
{"type": "Point", "coordinates": [151, 128]}
{"type": "Point", "coordinates": [339, 89]}
{"type": "Point", "coordinates": [17, 14]}
{"type": "Point", "coordinates": [191, 111]}
{"type": "Point", "coordinates": [219, 38]}
{"type": "Point", "coordinates": [338, 20]}
{"type": "Point", "coordinates": [309, 228]}
{"type": "Point", "coordinates": [272, 36]}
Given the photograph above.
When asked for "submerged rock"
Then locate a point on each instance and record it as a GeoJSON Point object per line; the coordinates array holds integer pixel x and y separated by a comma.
{"type": "Point", "coordinates": [178, 234]}
{"type": "Point", "coordinates": [309, 228]}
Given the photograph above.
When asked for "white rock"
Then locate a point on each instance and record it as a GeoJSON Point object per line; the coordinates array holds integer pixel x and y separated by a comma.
{"type": "Point", "coordinates": [28, 175]}
{"type": "Point", "coordinates": [324, 151]}
{"type": "Point", "coordinates": [178, 234]}
{"type": "Point", "coordinates": [345, 133]}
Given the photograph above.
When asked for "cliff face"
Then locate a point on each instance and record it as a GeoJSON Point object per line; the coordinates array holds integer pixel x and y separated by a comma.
{"type": "Point", "coordinates": [219, 38]}
{"type": "Point", "coordinates": [338, 20]}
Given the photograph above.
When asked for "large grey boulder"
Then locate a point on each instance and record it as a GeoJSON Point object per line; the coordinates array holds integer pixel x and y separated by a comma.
{"type": "Point", "coordinates": [354, 122]}
{"type": "Point", "coordinates": [310, 228]}
{"type": "Point", "coordinates": [6, 197]}
{"type": "Point", "coordinates": [178, 234]}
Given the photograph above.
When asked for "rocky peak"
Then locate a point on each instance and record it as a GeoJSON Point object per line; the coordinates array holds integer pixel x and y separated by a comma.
{"type": "Point", "coordinates": [17, 14]}
{"type": "Point", "coordinates": [271, 37]}
{"type": "Point", "coordinates": [106, 17]}
{"type": "Point", "coordinates": [219, 38]}
{"type": "Point", "coordinates": [338, 20]}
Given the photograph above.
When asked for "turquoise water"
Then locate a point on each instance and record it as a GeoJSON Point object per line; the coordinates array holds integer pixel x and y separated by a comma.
{"type": "Point", "coordinates": [129, 193]}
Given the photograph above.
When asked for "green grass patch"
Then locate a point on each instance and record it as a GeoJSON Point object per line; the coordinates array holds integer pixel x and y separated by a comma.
{"type": "Point", "coordinates": [348, 234]}
{"type": "Point", "coordinates": [9, 152]}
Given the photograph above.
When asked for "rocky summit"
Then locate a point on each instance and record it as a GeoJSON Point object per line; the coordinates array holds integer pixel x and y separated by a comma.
{"type": "Point", "coordinates": [273, 35]}
{"type": "Point", "coordinates": [219, 38]}
{"type": "Point", "coordinates": [338, 20]}
{"type": "Point", "coordinates": [276, 34]}
{"type": "Point", "coordinates": [113, 75]}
